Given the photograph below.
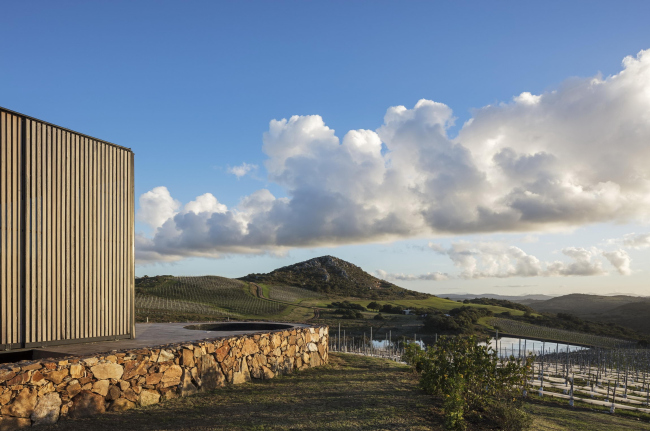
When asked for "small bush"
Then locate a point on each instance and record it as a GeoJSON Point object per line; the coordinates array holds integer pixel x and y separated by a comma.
{"type": "Point", "coordinates": [373, 306]}
{"type": "Point", "coordinates": [454, 404]}
{"type": "Point", "coordinates": [508, 417]}
{"type": "Point", "coordinates": [471, 381]}
{"type": "Point", "coordinates": [378, 317]}
{"type": "Point", "coordinates": [391, 309]}
{"type": "Point", "coordinates": [347, 305]}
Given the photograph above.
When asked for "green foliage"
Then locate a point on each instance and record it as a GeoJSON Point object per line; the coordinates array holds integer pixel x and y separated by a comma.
{"type": "Point", "coordinates": [414, 356]}
{"type": "Point", "coordinates": [454, 404]}
{"type": "Point", "coordinates": [347, 305]}
{"type": "Point", "coordinates": [458, 320]}
{"type": "Point", "coordinates": [471, 381]}
{"type": "Point", "coordinates": [391, 309]}
{"type": "Point", "coordinates": [373, 306]}
{"type": "Point", "coordinates": [378, 317]}
{"type": "Point", "coordinates": [500, 303]}
{"type": "Point", "coordinates": [506, 417]}
{"type": "Point", "coordinates": [349, 314]}
{"type": "Point", "coordinates": [440, 323]}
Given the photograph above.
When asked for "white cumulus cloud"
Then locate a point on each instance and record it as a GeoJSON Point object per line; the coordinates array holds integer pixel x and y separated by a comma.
{"type": "Point", "coordinates": [637, 241]}
{"type": "Point", "coordinates": [241, 170]}
{"type": "Point", "coordinates": [498, 260]}
{"type": "Point", "coordinates": [568, 157]}
{"type": "Point", "coordinates": [156, 207]}
{"type": "Point", "coordinates": [619, 260]}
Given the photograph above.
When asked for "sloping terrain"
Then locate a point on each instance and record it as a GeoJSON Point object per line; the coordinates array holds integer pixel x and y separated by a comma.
{"type": "Point", "coordinates": [205, 295]}
{"type": "Point", "coordinates": [334, 276]}
{"type": "Point", "coordinates": [635, 315]}
{"type": "Point", "coordinates": [582, 304]}
{"type": "Point", "coordinates": [629, 311]}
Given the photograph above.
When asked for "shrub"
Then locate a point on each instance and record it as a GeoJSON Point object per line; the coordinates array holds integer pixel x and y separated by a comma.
{"type": "Point", "coordinates": [347, 305]}
{"type": "Point", "coordinates": [349, 314]}
{"type": "Point", "coordinates": [391, 309]}
{"type": "Point", "coordinates": [378, 317]}
{"type": "Point", "coordinates": [373, 306]}
{"type": "Point", "coordinates": [454, 404]}
{"type": "Point", "coordinates": [470, 380]}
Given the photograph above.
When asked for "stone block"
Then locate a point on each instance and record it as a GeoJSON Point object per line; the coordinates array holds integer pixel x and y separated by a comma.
{"type": "Point", "coordinates": [6, 375]}
{"type": "Point", "coordinates": [211, 375]}
{"type": "Point", "coordinates": [172, 376]}
{"type": "Point", "coordinates": [153, 378]}
{"type": "Point", "coordinates": [86, 404]}
{"type": "Point", "coordinates": [23, 405]}
{"type": "Point", "coordinates": [114, 393]}
{"type": "Point", "coordinates": [130, 395]}
{"type": "Point", "coordinates": [249, 347]}
{"type": "Point", "coordinates": [89, 362]}
{"type": "Point", "coordinates": [188, 358]}
{"type": "Point", "coordinates": [135, 368]}
{"type": "Point", "coordinates": [121, 404]}
{"type": "Point", "coordinates": [47, 409]}
{"type": "Point", "coordinates": [268, 374]}
{"type": "Point", "coordinates": [107, 370]}
{"type": "Point", "coordinates": [32, 367]}
{"type": "Point", "coordinates": [73, 389]}
{"type": "Point", "coordinates": [101, 387]}
{"type": "Point", "coordinates": [187, 387]}
{"type": "Point", "coordinates": [243, 375]}
{"type": "Point", "coordinates": [148, 397]}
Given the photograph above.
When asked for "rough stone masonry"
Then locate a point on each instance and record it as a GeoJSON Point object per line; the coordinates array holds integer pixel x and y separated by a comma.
{"type": "Point", "coordinates": [45, 391]}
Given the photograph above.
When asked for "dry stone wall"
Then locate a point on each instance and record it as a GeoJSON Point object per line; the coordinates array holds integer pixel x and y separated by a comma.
{"type": "Point", "coordinates": [45, 391]}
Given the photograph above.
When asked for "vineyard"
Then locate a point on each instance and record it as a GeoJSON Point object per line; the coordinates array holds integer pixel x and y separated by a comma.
{"type": "Point", "coordinates": [291, 294]}
{"type": "Point", "coordinates": [145, 304]}
{"type": "Point", "coordinates": [206, 295]}
{"type": "Point", "coordinates": [526, 330]}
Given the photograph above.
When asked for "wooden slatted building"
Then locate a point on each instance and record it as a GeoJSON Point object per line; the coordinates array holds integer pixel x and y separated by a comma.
{"type": "Point", "coordinates": [67, 237]}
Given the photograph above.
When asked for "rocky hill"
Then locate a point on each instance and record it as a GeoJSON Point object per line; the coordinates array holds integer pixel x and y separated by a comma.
{"type": "Point", "coordinates": [334, 276]}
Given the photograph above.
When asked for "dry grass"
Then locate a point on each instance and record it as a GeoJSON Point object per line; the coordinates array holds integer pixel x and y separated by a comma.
{"type": "Point", "coordinates": [351, 392]}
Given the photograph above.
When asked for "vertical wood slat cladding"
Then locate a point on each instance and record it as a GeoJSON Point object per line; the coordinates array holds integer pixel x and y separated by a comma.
{"type": "Point", "coordinates": [67, 236]}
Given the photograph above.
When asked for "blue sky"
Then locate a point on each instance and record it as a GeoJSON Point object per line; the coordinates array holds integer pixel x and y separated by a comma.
{"type": "Point", "coordinates": [192, 87]}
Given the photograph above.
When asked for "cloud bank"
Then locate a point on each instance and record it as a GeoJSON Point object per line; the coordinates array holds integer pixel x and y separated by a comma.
{"type": "Point", "coordinates": [498, 260]}
{"type": "Point", "coordinates": [569, 157]}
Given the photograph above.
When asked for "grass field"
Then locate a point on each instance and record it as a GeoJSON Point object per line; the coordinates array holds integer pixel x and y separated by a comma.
{"type": "Point", "coordinates": [350, 393]}
{"type": "Point", "coordinates": [289, 293]}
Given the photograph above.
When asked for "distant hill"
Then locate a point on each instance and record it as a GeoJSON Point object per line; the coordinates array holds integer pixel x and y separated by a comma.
{"type": "Point", "coordinates": [582, 304]}
{"type": "Point", "coordinates": [334, 276]}
{"type": "Point", "coordinates": [630, 311]}
{"type": "Point", "coordinates": [521, 299]}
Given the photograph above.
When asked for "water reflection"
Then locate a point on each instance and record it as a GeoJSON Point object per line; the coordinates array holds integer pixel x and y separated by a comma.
{"type": "Point", "coordinates": [385, 344]}
{"type": "Point", "coordinates": [517, 347]}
